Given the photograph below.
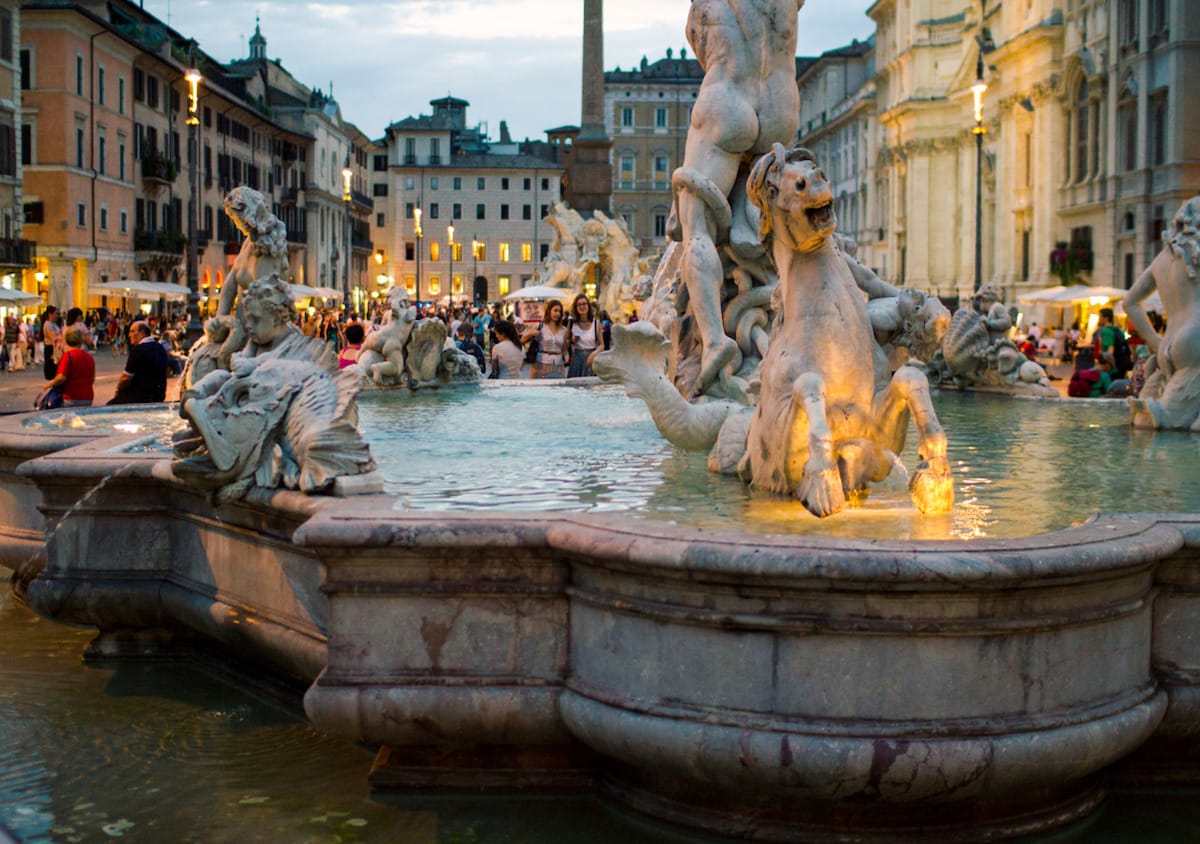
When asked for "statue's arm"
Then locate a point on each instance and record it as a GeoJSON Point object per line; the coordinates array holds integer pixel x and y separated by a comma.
{"type": "Point", "coordinates": [1134, 312]}
{"type": "Point", "coordinates": [871, 284]}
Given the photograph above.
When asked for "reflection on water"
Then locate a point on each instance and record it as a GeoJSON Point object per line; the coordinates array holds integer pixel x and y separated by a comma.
{"type": "Point", "coordinates": [1021, 467]}
{"type": "Point", "coordinates": [160, 751]}
{"type": "Point", "coordinates": [172, 752]}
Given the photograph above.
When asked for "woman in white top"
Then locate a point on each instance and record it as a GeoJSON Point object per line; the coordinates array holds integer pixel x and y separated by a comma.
{"type": "Point", "coordinates": [553, 344]}
{"type": "Point", "coordinates": [507, 357]}
{"type": "Point", "coordinates": [585, 337]}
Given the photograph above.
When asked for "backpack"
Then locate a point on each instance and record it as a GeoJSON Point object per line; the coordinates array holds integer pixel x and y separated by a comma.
{"type": "Point", "coordinates": [1122, 354]}
{"type": "Point", "coordinates": [1081, 383]}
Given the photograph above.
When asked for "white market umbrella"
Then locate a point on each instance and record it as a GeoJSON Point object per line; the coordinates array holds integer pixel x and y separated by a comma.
{"type": "Point", "coordinates": [1040, 297]}
{"type": "Point", "coordinates": [539, 291]}
{"type": "Point", "coordinates": [140, 289]}
{"type": "Point", "coordinates": [18, 297]}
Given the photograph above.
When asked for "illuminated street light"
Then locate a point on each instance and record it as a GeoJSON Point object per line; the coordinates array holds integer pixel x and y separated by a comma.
{"type": "Point", "coordinates": [194, 328]}
{"type": "Point", "coordinates": [977, 90]}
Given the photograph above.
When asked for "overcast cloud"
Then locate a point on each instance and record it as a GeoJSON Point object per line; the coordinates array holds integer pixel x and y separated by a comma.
{"type": "Point", "coordinates": [513, 60]}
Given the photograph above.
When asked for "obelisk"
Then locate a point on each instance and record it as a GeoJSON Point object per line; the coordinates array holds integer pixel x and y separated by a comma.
{"type": "Point", "coordinates": [589, 172]}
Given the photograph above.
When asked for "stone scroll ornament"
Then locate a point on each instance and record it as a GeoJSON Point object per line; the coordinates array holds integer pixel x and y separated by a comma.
{"type": "Point", "coordinates": [830, 416]}
{"type": "Point", "coordinates": [281, 417]}
{"type": "Point", "coordinates": [1170, 398]}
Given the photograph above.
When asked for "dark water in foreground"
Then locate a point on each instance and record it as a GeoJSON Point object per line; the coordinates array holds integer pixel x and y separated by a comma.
{"type": "Point", "coordinates": [176, 752]}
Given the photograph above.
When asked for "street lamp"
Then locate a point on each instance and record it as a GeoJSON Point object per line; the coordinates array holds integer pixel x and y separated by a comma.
{"type": "Point", "coordinates": [347, 175]}
{"type": "Point", "coordinates": [450, 275]}
{"type": "Point", "coordinates": [417, 233]}
{"type": "Point", "coordinates": [194, 328]}
{"type": "Point", "coordinates": [977, 90]}
{"type": "Point", "coordinates": [474, 262]}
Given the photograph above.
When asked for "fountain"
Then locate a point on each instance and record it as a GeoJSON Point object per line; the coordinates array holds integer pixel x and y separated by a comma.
{"type": "Point", "coordinates": [753, 684]}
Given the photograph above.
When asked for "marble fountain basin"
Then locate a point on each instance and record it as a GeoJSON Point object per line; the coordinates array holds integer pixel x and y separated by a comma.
{"type": "Point", "coordinates": [530, 607]}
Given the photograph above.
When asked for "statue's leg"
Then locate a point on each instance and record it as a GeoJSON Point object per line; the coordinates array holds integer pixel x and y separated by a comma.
{"type": "Point", "coordinates": [704, 214]}
{"type": "Point", "coordinates": [228, 294]}
{"type": "Point", "coordinates": [820, 487]}
{"type": "Point", "coordinates": [931, 485]}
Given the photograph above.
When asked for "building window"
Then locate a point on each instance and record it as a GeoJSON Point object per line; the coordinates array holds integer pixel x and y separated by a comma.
{"type": "Point", "coordinates": [379, 163]}
{"type": "Point", "coordinates": [457, 185]}
{"type": "Point", "coordinates": [504, 253]}
{"type": "Point", "coordinates": [545, 184]}
{"type": "Point", "coordinates": [410, 150]}
{"type": "Point", "coordinates": [660, 224]}
{"type": "Point", "coordinates": [120, 95]}
{"type": "Point", "coordinates": [100, 85]}
{"type": "Point", "coordinates": [379, 218]}
{"type": "Point", "coordinates": [26, 144]}
{"type": "Point", "coordinates": [152, 91]}
{"type": "Point", "coordinates": [480, 250]}
{"type": "Point", "coordinates": [379, 189]}
{"type": "Point", "coordinates": [124, 221]}
{"type": "Point", "coordinates": [661, 168]}
{"type": "Point", "coordinates": [480, 211]}
{"type": "Point", "coordinates": [409, 184]}
{"type": "Point", "coordinates": [1081, 123]}
{"type": "Point", "coordinates": [103, 218]}
{"type": "Point", "coordinates": [504, 183]}
{"type": "Point", "coordinates": [456, 250]}
{"type": "Point", "coordinates": [504, 211]}
{"type": "Point", "coordinates": [481, 183]}
{"type": "Point", "coordinates": [408, 210]}
{"type": "Point", "coordinates": [434, 211]}
{"type": "Point", "coordinates": [502, 285]}
{"type": "Point", "coordinates": [1158, 128]}
{"type": "Point", "coordinates": [139, 85]}
{"type": "Point", "coordinates": [410, 250]}
{"type": "Point", "coordinates": [627, 117]}
{"type": "Point", "coordinates": [527, 252]}
{"type": "Point", "coordinates": [1127, 22]}
{"type": "Point", "coordinates": [627, 172]}
{"type": "Point", "coordinates": [1158, 17]}
{"type": "Point", "coordinates": [435, 250]}
{"type": "Point", "coordinates": [435, 285]}
{"type": "Point", "coordinates": [6, 35]}
{"type": "Point", "coordinates": [435, 150]}
{"type": "Point", "coordinates": [79, 146]}
{"type": "Point", "coordinates": [526, 212]}
{"type": "Point", "coordinates": [101, 154]}
{"type": "Point", "coordinates": [527, 183]}
{"type": "Point", "coordinates": [433, 182]}
{"type": "Point", "coordinates": [8, 150]}
{"type": "Point", "coordinates": [81, 215]}
{"type": "Point", "coordinates": [79, 75]}
{"type": "Point", "coordinates": [660, 118]}
{"type": "Point", "coordinates": [26, 70]}
{"type": "Point", "coordinates": [456, 210]}
{"type": "Point", "coordinates": [1127, 134]}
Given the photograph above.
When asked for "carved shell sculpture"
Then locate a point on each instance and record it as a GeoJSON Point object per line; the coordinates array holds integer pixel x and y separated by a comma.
{"type": "Point", "coordinates": [965, 346]}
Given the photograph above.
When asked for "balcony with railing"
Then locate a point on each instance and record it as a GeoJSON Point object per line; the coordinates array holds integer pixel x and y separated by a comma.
{"type": "Point", "coordinates": [15, 252]}
{"type": "Point", "coordinates": [298, 237]}
{"type": "Point", "coordinates": [362, 200]}
{"type": "Point", "coordinates": [168, 242]}
{"type": "Point", "coordinates": [158, 168]}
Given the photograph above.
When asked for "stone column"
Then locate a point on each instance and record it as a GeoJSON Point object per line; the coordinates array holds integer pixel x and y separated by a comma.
{"type": "Point", "coordinates": [589, 173]}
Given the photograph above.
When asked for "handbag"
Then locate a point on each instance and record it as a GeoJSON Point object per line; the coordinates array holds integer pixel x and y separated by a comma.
{"type": "Point", "coordinates": [49, 398]}
{"type": "Point", "coordinates": [531, 349]}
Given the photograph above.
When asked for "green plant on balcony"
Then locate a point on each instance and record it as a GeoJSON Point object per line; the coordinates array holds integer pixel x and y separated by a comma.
{"type": "Point", "coordinates": [155, 165]}
{"type": "Point", "coordinates": [173, 242]}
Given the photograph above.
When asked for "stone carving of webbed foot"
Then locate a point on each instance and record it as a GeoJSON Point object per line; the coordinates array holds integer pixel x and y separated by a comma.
{"type": "Point", "coordinates": [820, 490]}
{"type": "Point", "coordinates": [932, 486]}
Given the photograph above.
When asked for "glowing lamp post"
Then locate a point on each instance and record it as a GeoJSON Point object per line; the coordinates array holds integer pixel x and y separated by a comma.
{"type": "Point", "coordinates": [450, 274]}
{"type": "Point", "coordinates": [347, 175]}
{"type": "Point", "coordinates": [417, 233]}
{"type": "Point", "coordinates": [977, 90]}
{"type": "Point", "coordinates": [474, 260]}
{"type": "Point", "coordinates": [194, 328]}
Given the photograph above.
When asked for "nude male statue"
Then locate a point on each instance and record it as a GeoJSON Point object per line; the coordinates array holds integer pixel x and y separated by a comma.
{"type": "Point", "coordinates": [747, 102]}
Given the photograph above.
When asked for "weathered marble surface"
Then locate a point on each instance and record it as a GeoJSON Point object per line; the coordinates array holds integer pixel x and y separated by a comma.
{"type": "Point", "coordinates": [1171, 396]}
{"type": "Point", "coordinates": [958, 688]}
{"type": "Point", "coordinates": [281, 416]}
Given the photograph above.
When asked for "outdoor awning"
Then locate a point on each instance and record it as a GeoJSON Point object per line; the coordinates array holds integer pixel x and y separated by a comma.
{"type": "Point", "coordinates": [539, 291]}
{"type": "Point", "coordinates": [10, 298]}
{"type": "Point", "coordinates": [138, 289]}
{"type": "Point", "coordinates": [303, 291]}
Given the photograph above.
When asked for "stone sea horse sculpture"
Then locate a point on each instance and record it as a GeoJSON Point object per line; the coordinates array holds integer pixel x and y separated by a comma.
{"type": "Point", "coordinates": [829, 420]}
{"type": "Point", "coordinates": [413, 353]}
{"type": "Point", "coordinates": [1170, 398]}
{"type": "Point", "coordinates": [280, 417]}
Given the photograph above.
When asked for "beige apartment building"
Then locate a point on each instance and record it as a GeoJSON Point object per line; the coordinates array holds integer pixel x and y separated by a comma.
{"type": "Point", "coordinates": [16, 253]}
{"type": "Point", "coordinates": [458, 217]}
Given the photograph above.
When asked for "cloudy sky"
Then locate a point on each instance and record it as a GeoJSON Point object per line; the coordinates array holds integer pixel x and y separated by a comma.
{"type": "Point", "coordinates": [514, 60]}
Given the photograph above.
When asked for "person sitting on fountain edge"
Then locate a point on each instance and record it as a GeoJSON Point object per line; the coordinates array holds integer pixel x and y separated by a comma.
{"type": "Point", "coordinates": [466, 344]}
{"type": "Point", "coordinates": [145, 375]}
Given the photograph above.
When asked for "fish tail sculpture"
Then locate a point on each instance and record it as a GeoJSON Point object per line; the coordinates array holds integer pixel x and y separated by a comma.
{"type": "Point", "coordinates": [638, 361]}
